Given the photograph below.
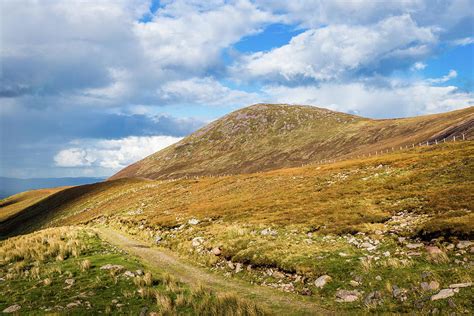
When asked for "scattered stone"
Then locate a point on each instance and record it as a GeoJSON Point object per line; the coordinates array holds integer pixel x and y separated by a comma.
{"type": "Point", "coordinates": [322, 281]}
{"type": "Point", "coordinates": [143, 311]}
{"type": "Point", "coordinates": [12, 309]}
{"type": "Point", "coordinates": [2, 279]}
{"type": "Point", "coordinates": [268, 232]}
{"type": "Point", "coordinates": [444, 293]}
{"type": "Point", "coordinates": [289, 287]}
{"type": "Point", "coordinates": [231, 265]}
{"type": "Point", "coordinates": [366, 245]}
{"type": "Point", "coordinates": [459, 285]}
{"type": "Point", "coordinates": [305, 291]}
{"type": "Point", "coordinates": [433, 250]}
{"type": "Point", "coordinates": [278, 275]}
{"type": "Point", "coordinates": [378, 232]}
{"type": "Point", "coordinates": [342, 254]}
{"type": "Point", "coordinates": [401, 239]}
{"type": "Point", "coordinates": [216, 251]}
{"type": "Point", "coordinates": [414, 246]}
{"type": "Point", "coordinates": [193, 221]}
{"type": "Point", "coordinates": [69, 281]}
{"type": "Point", "coordinates": [114, 301]}
{"type": "Point", "coordinates": [139, 272]}
{"type": "Point", "coordinates": [399, 293]}
{"type": "Point", "coordinates": [425, 274]}
{"type": "Point", "coordinates": [386, 253]}
{"type": "Point", "coordinates": [73, 304]}
{"type": "Point", "coordinates": [354, 283]}
{"type": "Point", "coordinates": [129, 274]}
{"type": "Point", "coordinates": [346, 296]}
{"type": "Point", "coordinates": [464, 244]}
{"type": "Point", "coordinates": [373, 298]}
{"type": "Point", "coordinates": [158, 239]}
{"type": "Point", "coordinates": [378, 278]}
{"type": "Point", "coordinates": [112, 267]}
{"type": "Point", "coordinates": [472, 250]}
{"type": "Point", "coordinates": [431, 286]}
{"type": "Point", "coordinates": [197, 241]}
{"type": "Point", "coordinates": [238, 267]}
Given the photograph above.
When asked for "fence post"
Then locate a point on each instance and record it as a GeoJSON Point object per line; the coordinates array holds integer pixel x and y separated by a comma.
{"type": "Point", "coordinates": [463, 138]}
{"type": "Point", "coordinates": [454, 138]}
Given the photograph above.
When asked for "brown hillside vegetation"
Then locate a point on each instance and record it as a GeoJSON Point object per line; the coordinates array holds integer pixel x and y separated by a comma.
{"type": "Point", "coordinates": [340, 197]}
{"type": "Point", "coordinates": [265, 137]}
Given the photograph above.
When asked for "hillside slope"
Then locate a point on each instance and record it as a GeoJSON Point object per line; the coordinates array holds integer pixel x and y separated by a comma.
{"type": "Point", "coordinates": [265, 137]}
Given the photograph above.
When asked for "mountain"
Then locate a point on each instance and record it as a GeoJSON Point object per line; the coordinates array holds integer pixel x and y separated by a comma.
{"type": "Point", "coordinates": [10, 186]}
{"type": "Point", "coordinates": [266, 137]}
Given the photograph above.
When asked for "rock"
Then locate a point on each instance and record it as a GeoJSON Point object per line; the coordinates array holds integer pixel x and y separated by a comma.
{"type": "Point", "coordinates": [414, 246]}
{"type": "Point", "coordinates": [238, 267]}
{"type": "Point", "coordinates": [268, 232]}
{"type": "Point", "coordinates": [143, 311]}
{"type": "Point", "coordinates": [158, 239]}
{"type": "Point", "coordinates": [378, 278]}
{"type": "Point", "coordinates": [354, 283]}
{"type": "Point", "coordinates": [401, 239]}
{"type": "Point", "coordinates": [69, 281]}
{"type": "Point", "coordinates": [216, 251]}
{"type": "Point", "coordinates": [345, 296]}
{"type": "Point", "coordinates": [305, 291]}
{"type": "Point", "coordinates": [197, 241]}
{"type": "Point", "coordinates": [114, 301]}
{"type": "Point", "coordinates": [433, 250]}
{"type": "Point", "coordinates": [231, 265]}
{"type": "Point", "coordinates": [444, 293]}
{"type": "Point", "coordinates": [450, 247]}
{"type": "Point", "coordinates": [73, 304]}
{"type": "Point", "coordinates": [278, 275]}
{"type": "Point", "coordinates": [343, 254]}
{"type": "Point", "coordinates": [322, 280]}
{"type": "Point", "coordinates": [464, 244]}
{"type": "Point", "coordinates": [193, 221]}
{"type": "Point", "coordinates": [431, 286]}
{"type": "Point", "coordinates": [289, 287]}
{"type": "Point", "coordinates": [366, 245]}
{"type": "Point", "coordinates": [249, 267]}
{"type": "Point", "coordinates": [112, 267]}
{"type": "Point", "coordinates": [378, 232]}
{"type": "Point", "coordinates": [459, 285]}
{"type": "Point", "coordinates": [386, 253]}
{"type": "Point", "coordinates": [471, 250]}
{"type": "Point", "coordinates": [139, 272]}
{"type": "Point", "coordinates": [373, 298]}
{"type": "Point", "coordinates": [129, 274]}
{"type": "Point", "coordinates": [399, 293]}
{"type": "Point", "coordinates": [12, 309]}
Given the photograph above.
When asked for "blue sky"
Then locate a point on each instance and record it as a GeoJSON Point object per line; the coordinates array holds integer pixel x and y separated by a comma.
{"type": "Point", "coordinates": [88, 89]}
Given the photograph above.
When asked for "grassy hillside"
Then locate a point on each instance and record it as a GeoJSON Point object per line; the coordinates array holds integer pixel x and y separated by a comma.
{"type": "Point", "coordinates": [389, 230]}
{"type": "Point", "coordinates": [266, 137]}
{"type": "Point", "coordinates": [69, 270]}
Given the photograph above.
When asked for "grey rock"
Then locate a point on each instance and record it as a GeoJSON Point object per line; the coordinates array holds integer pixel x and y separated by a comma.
{"type": "Point", "coordinates": [158, 239]}
{"type": "Point", "coordinates": [268, 232]}
{"type": "Point", "coordinates": [193, 221]}
{"type": "Point", "coordinates": [346, 296]}
{"type": "Point", "coordinates": [129, 274]}
{"type": "Point", "coordinates": [444, 293]}
{"type": "Point", "coordinates": [139, 272]}
{"type": "Point", "coordinates": [69, 281]}
{"type": "Point", "coordinates": [464, 244]}
{"type": "Point", "coordinates": [414, 246]}
{"type": "Point", "coordinates": [354, 283]}
{"type": "Point", "coordinates": [216, 251]}
{"type": "Point", "coordinates": [431, 286]}
{"type": "Point", "coordinates": [112, 267]}
{"type": "Point", "coordinates": [12, 308]}
{"type": "Point", "coordinates": [459, 285]}
{"type": "Point", "coordinates": [238, 267]}
{"type": "Point", "coordinates": [197, 241]}
{"type": "Point", "coordinates": [373, 298]}
{"type": "Point", "coordinates": [322, 281]}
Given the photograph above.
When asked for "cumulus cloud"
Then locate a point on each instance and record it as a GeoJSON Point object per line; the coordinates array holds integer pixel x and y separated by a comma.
{"type": "Point", "coordinates": [331, 52]}
{"type": "Point", "coordinates": [397, 99]}
{"type": "Point", "coordinates": [111, 154]}
{"type": "Point", "coordinates": [205, 91]}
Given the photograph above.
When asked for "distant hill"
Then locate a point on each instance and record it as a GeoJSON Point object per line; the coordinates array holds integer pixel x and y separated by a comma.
{"type": "Point", "coordinates": [266, 137]}
{"type": "Point", "coordinates": [10, 186]}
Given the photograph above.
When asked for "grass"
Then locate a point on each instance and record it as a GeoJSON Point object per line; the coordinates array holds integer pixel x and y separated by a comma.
{"type": "Point", "coordinates": [37, 280]}
{"type": "Point", "coordinates": [266, 137]}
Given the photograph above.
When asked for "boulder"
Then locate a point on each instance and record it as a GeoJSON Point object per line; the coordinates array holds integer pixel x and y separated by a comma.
{"type": "Point", "coordinates": [346, 296]}
{"type": "Point", "coordinates": [12, 309]}
{"type": "Point", "coordinates": [444, 293]}
{"type": "Point", "coordinates": [322, 281]}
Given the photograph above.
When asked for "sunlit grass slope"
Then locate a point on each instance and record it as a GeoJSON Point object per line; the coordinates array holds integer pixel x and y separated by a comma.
{"type": "Point", "coordinates": [437, 181]}
{"type": "Point", "coordinates": [271, 136]}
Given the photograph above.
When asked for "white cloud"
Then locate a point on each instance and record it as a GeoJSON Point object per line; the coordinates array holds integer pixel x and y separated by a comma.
{"type": "Point", "coordinates": [395, 100]}
{"type": "Point", "coordinates": [191, 35]}
{"type": "Point", "coordinates": [418, 66]}
{"type": "Point", "coordinates": [333, 51]}
{"type": "Point", "coordinates": [205, 91]}
{"type": "Point", "coordinates": [111, 154]}
{"type": "Point", "coordinates": [463, 41]}
{"type": "Point", "coordinates": [451, 75]}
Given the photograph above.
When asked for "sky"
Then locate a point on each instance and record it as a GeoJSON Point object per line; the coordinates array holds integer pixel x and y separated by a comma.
{"type": "Point", "coordinates": [88, 87]}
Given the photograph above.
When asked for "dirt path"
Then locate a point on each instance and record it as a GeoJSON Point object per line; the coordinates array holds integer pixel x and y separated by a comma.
{"type": "Point", "coordinates": [278, 302]}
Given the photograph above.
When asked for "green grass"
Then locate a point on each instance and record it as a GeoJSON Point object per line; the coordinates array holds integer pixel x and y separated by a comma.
{"type": "Point", "coordinates": [266, 137]}
{"type": "Point", "coordinates": [38, 284]}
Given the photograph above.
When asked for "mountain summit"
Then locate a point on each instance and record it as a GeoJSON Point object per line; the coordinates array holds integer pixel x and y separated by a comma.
{"type": "Point", "coordinates": [264, 137]}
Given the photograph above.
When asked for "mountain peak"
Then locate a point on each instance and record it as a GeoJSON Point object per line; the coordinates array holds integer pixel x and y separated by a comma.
{"type": "Point", "coordinates": [270, 136]}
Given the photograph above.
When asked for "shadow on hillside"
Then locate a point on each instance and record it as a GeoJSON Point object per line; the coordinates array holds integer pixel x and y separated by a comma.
{"type": "Point", "coordinates": [40, 213]}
